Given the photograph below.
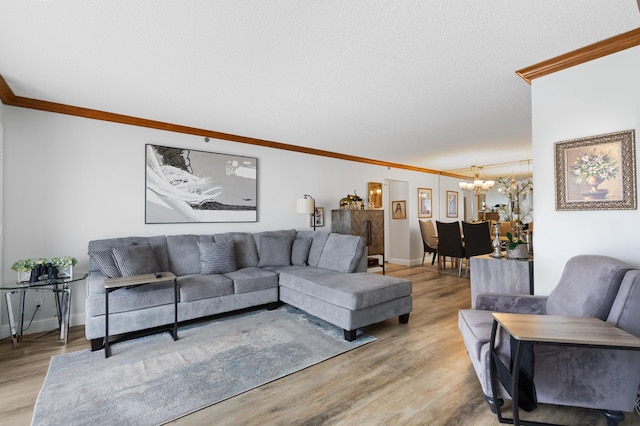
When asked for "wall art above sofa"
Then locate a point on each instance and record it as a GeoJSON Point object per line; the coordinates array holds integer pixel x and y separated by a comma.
{"type": "Point", "coordinates": [189, 186]}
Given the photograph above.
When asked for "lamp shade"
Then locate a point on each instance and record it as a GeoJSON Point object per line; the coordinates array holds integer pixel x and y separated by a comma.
{"type": "Point", "coordinates": [306, 205]}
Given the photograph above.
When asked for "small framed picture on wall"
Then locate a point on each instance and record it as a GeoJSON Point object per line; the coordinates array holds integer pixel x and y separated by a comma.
{"type": "Point", "coordinates": [318, 217]}
{"type": "Point", "coordinates": [399, 209]}
{"type": "Point", "coordinates": [424, 202]}
{"type": "Point", "coordinates": [452, 204]}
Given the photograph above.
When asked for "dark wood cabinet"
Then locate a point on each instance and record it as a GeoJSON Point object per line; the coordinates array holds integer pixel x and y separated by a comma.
{"type": "Point", "coordinates": [369, 224]}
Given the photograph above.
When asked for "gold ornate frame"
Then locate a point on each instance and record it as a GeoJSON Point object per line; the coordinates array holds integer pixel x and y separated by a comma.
{"type": "Point", "coordinates": [615, 193]}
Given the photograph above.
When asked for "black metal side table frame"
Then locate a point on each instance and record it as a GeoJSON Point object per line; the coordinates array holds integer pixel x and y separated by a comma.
{"type": "Point", "coordinates": [111, 284]}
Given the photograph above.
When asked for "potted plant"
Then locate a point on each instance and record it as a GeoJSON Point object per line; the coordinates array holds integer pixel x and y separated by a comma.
{"type": "Point", "coordinates": [516, 248]}
{"type": "Point", "coordinates": [63, 265]}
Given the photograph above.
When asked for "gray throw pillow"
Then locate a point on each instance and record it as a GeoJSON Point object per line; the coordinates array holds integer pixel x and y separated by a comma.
{"type": "Point", "coordinates": [217, 258]}
{"type": "Point", "coordinates": [106, 263]}
{"type": "Point", "coordinates": [300, 251]}
{"type": "Point", "coordinates": [136, 260]}
{"type": "Point", "coordinates": [275, 251]}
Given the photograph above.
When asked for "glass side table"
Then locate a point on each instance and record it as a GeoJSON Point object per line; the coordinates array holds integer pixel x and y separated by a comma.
{"type": "Point", "coordinates": [62, 295]}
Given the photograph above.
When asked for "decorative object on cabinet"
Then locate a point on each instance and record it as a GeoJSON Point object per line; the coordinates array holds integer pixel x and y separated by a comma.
{"type": "Point", "coordinates": [425, 207]}
{"type": "Point", "coordinates": [318, 217]}
{"type": "Point", "coordinates": [452, 204]}
{"type": "Point", "coordinates": [189, 186]}
{"type": "Point", "coordinates": [307, 205]}
{"type": "Point", "coordinates": [369, 224]}
{"type": "Point", "coordinates": [399, 209]}
{"type": "Point", "coordinates": [596, 173]}
{"type": "Point", "coordinates": [351, 201]}
{"type": "Point", "coordinates": [375, 195]}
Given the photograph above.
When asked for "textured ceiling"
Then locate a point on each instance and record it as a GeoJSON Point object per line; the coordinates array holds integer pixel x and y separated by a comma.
{"type": "Point", "coordinates": [426, 83]}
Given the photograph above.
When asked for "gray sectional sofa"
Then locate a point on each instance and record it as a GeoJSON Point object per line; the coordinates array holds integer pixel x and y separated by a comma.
{"type": "Point", "coordinates": [319, 272]}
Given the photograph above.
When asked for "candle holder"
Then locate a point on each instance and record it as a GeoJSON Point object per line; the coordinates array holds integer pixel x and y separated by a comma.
{"type": "Point", "coordinates": [497, 244]}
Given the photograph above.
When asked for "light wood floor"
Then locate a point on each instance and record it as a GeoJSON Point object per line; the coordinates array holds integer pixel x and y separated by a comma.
{"type": "Point", "coordinates": [414, 374]}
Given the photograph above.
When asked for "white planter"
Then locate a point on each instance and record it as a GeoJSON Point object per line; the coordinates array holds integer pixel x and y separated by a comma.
{"type": "Point", "coordinates": [25, 276]}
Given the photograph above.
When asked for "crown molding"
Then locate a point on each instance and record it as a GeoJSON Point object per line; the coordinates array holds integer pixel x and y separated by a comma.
{"type": "Point", "coordinates": [585, 54]}
{"type": "Point", "coordinates": [9, 98]}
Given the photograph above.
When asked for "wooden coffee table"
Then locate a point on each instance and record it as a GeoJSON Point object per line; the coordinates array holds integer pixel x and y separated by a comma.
{"type": "Point", "coordinates": [111, 284]}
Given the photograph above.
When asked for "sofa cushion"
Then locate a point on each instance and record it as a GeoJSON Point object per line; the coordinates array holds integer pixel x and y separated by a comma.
{"type": "Point", "coordinates": [475, 327]}
{"type": "Point", "coordinates": [587, 287]}
{"type": "Point", "coordinates": [251, 279]}
{"type": "Point", "coordinates": [286, 233]}
{"type": "Point", "coordinates": [341, 253]}
{"type": "Point", "coordinates": [300, 251]}
{"type": "Point", "coordinates": [245, 246]}
{"type": "Point", "coordinates": [198, 286]}
{"type": "Point", "coordinates": [136, 260]}
{"type": "Point", "coordinates": [184, 254]}
{"type": "Point", "coordinates": [159, 244]}
{"type": "Point", "coordinates": [106, 263]}
{"type": "Point", "coordinates": [319, 239]}
{"type": "Point", "coordinates": [275, 251]}
{"type": "Point", "coordinates": [217, 258]}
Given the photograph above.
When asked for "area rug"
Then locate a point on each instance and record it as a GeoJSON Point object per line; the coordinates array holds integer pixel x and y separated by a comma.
{"type": "Point", "coordinates": [152, 380]}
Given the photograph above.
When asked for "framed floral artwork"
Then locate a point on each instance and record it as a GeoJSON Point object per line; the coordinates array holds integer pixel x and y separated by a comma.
{"type": "Point", "coordinates": [596, 173]}
{"type": "Point", "coordinates": [424, 202]}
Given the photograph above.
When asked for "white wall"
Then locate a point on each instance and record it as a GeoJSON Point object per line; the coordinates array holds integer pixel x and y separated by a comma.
{"type": "Point", "coordinates": [598, 97]}
{"type": "Point", "coordinates": [398, 229]}
{"type": "Point", "coordinates": [68, 180]}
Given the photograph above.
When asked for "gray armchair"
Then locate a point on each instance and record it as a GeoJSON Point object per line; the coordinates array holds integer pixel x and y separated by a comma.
{"type": "Point", "coordinates": [595, 286]}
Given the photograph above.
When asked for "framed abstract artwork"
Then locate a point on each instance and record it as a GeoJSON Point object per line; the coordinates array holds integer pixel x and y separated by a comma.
{"type": "Point", "coordinates": [452, 204]}
{"type": "Point", "coordinates": [424, 202]}
{"type": "Point", "coordinates": [596, 173]}
{"type": "Point", "coordinates": [190, 186]}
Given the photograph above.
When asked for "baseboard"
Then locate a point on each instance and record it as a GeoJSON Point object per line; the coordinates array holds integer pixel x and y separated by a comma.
{"type": "Point", "coordinates": [403, 262]}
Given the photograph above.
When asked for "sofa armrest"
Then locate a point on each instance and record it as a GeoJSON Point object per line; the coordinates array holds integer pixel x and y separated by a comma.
{"type": "Point", "coordinates": [514, 303]}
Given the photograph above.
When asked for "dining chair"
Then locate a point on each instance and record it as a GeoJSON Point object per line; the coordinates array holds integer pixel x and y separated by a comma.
{"type": "Point", "coordinates": [450, 243]}
{"type": "Point", "coordinates": [477, 240]}
{"type": "Point", "coordinates": [429, 239]}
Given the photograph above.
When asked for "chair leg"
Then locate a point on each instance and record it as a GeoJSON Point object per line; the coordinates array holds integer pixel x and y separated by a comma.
{"type": "Point", "coordinates": [432, 258]}
{"type": "Point", "coordinates": [494, 405]}
{"type": "Point", "coordinates": [423, 255]}
{"type": "Point", "coordinates": [613, 417]}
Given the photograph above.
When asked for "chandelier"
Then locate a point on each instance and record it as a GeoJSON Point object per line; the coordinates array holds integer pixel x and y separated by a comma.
{"type": "Point", "coordinates": [478, 185]}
